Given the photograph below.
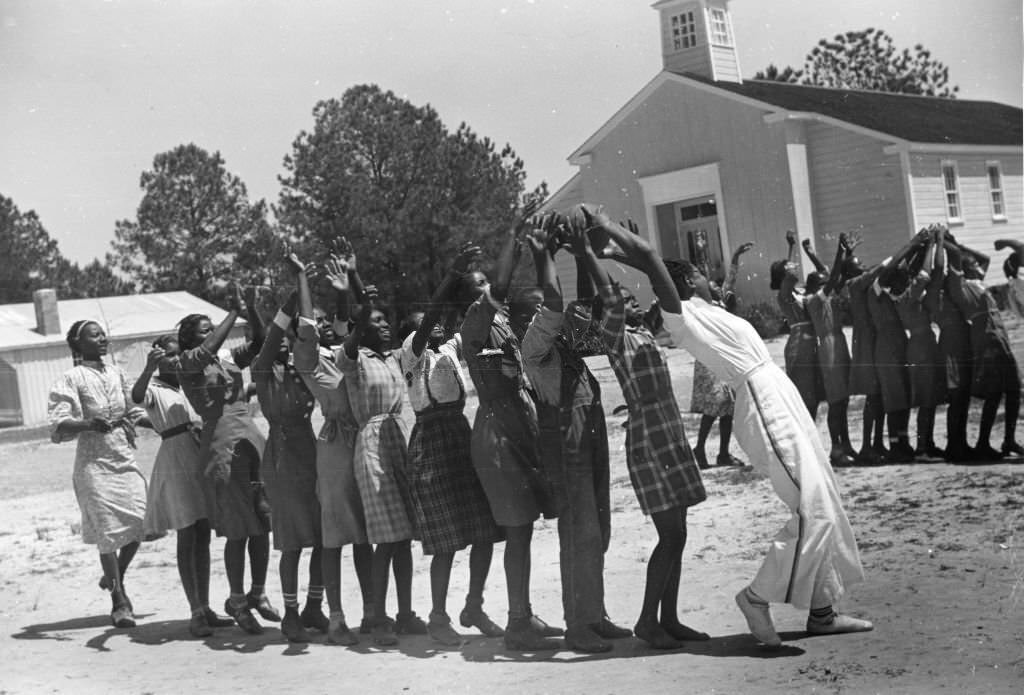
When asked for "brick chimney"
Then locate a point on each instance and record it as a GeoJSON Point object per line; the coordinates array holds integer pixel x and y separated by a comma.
{"type": "Point", "coordinates": [697, 38]}
{"type": "Point", "coordinates": [47, 315]}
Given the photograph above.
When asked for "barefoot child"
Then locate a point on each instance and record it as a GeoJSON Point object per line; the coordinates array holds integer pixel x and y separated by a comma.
{"type": "Point", "coordinates": [176, 498]}
{"type": "Point", "coordinates": [90, 402]}
{"type": "Point", "coordinates": [661, 465]}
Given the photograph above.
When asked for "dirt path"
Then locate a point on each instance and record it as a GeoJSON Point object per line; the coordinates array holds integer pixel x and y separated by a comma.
{"type": "Point", "coordinates": [941, 545]}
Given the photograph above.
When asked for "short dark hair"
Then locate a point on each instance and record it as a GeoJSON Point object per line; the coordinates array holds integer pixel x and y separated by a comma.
{"type": "Point", "coordinates": [187, 330]}
{"type": "Point", "coordinates": [777, 272]}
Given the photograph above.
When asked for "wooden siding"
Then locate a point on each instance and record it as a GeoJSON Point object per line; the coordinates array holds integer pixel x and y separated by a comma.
{"type": "Point", "coordinates": [696, 59]}
{"type": "Point", "coordinates": [855, 187]}
{"type": "Point", "coordinates": [727, 68]}
{"type": "Point", "coordinates": [679, 127]}
{"type": "Point", "coordinates": [978, 229]}
{"type": "Point", "coordinates": [38, 368]}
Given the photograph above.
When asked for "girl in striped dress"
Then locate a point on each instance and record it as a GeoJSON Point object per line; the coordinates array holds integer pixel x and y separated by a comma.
{"type": "Point", "coordinates": [91, 403]}
{"type": "Point", "coordinates": [375, 387]}
{"type": "Point", "coordinates": [176, 497]}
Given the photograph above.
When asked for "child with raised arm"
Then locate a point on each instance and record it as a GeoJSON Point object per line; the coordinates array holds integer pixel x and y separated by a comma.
{"type": "Point", "coordinates": [814, 558]}
{"type": "Point", "coordinates": [661, 465]}
{"type": "Point", "coordinates": [176, 498]}
{"type": "Point", "coordinates": [448, 503]}
{"type": "Point", "coordinates": [376, 388]}
{"type": "Point", "coordinates": [342, 519]}
{"type": "Point", "coordinates": [229, 451]}
{"type": "Point", "coordinates": [573, 445]}
{"type": "Point", "coordinates": [504, 439]}
{"type": "Point", "coordinates": [288, 469]}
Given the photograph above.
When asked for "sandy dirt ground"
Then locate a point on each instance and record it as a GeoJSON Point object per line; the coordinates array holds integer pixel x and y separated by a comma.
{"type": "Point", "coordinates": [941, 546]}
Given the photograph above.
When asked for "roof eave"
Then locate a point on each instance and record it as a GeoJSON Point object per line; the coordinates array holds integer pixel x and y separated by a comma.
{"type": "Point", "coordinates": [950, 148]}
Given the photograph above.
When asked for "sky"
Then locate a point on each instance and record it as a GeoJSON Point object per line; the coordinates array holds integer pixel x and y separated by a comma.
{"type": "Point", "coordinates": [92, 90]}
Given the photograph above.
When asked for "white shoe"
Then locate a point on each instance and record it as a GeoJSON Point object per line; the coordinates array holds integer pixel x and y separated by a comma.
{"type": "Point", "coordinates": [759, 619]}
{"type": "Point", "coordinates": [839, 624]}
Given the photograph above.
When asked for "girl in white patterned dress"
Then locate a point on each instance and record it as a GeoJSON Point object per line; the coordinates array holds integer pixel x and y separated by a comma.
{"type": "Point", "coordinates": [90, 403]}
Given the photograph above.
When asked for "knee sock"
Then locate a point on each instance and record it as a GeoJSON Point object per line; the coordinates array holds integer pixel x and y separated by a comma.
{"type": "Point", "coordinates": [314, 596]}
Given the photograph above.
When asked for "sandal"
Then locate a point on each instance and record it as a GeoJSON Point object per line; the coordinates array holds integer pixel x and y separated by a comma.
{"type": "Point", "coordinates": [122, 616]}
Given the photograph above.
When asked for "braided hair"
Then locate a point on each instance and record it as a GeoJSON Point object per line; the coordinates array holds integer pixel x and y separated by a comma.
{"type": "Point", "coordinates": [72, 337]}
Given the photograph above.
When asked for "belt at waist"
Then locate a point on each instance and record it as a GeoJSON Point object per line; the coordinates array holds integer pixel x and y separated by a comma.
{"type": "Point", "coordinates": [176, 430]}
{"type": "Point", "coordinates": [382, 417]}
{"type": "Point", "coordinates": [441, 408]}
{"type": "Point", "coordinates": [803, 325]}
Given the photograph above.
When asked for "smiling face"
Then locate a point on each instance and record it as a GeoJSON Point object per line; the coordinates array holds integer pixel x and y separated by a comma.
{"type": "Point", "coordinates": [325, 327]}
{"type": "Point", "coordinates": [378, 331]}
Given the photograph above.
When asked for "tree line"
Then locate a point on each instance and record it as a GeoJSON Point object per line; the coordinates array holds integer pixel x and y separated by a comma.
{"type": "Point", "coordinates": [389, 175]}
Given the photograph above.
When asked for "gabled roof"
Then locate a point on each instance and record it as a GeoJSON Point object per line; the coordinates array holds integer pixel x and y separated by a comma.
{"type": "Point", "coordinates": [136, 315]}
{"type": "Point", "coordinates": [895, 118]}
{"type": "Point", "coordinates": [918, 119]}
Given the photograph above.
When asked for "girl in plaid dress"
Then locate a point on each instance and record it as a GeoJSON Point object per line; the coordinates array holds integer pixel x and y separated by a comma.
{"type": "Point", "coordinates": [375, 387]}
{"type": "Point", "coordinates": [448, 502]}
{"type": "Point", "coordinates": [661, 465]}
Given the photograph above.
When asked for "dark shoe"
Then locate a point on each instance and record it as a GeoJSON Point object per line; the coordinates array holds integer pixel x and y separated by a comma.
{"type": "Point", "coordinates": [543, 629]}
{"type": "Point", "coordinates": [122, 617]}
{"type": "Point", "coordinates": [959, 454]}
{"type": "Point", "coordinates": [1012, 449]}
{"type": "Point", "coordinates": [384, 632]}
{"type": "Point", "coordinates": [929, 454]}
{"type": "Point", "coordinates": [366, 626]}
{"type": "Point", "coordinates": [475, 617]}
{"type": "Point", "coordinates": [338, 633]}
{"type": "Point", "coordinates": [243, 617]}
{"type": "Point", "coordinates": [520, 636]}
{"type": "Point", "coordinates": [292, 627]}
{"type": "Point", "coordinates": [701, 458]}
{"type": "Point", "coordinates": [586, 641]}
{"type": "Point", "coordinates": [314, 618]}
{"type": "Point", "coordinates": [840, 459]}
{"type": "Point", "coordinates": [441, 631]}
{"type": "Point", "coordinates": [261, 604]}
{"type": "Point", "coordinates": [867, 457]}
{"type": "Point", "coordinates": [985, 453]}
{"type": "Point", "coordinates": [609, 630]}
{"type": "Point", "coordinates": [214, 620]}
{"type": "Point", "coordinates": [900, 454]}
{"type": "Point", "coordinates": [728, 460]}
{"type": "Point", "coordinates": [410, 624]}
{"type": "Point", "coordinates": [197, 626]}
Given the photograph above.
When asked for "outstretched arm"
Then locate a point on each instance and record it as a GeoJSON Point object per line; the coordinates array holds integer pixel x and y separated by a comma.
{"type": "Point", "coordinates": [539, 238]}
{"type": "Point", "coordinates": [459, 268]}
{"type": "Point", "coordinates": [236, 306]}
{"type": "Point", "coordinates": [637, 252]}
{"type": "Point", "coordinates": [815, 261]}
{"type": "Point", "coordinates": [354, 338]}
{"type": "Point", "coordinates": [835, 276]}
{"type": "Point", "coordinates": [142, 383]}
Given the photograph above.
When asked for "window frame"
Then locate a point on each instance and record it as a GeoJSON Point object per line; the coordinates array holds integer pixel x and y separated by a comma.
{"type": "Point", "coordinates": [726, 29]}
{"type": "Point", "coordinates": [684, 20]}
{"type": "Point", "coordinates": [997, 215]}
{"type": "Point", "coordinates": [955, 191]}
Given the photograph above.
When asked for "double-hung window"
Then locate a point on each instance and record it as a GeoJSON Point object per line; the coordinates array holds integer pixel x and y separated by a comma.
{"type": "Point", "coordinates": [951, 190]}
{"type": "Point", "coordinates": [995, 190]}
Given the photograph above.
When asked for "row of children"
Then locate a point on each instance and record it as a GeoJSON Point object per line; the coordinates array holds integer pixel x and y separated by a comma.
{"type": "Point", "coordinates": [896, 360]}
{"type": "Point", "coordinates": [538, 446]}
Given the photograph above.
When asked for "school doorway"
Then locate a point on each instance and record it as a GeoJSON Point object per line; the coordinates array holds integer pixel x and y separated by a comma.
{"type": "Point", "coordinates": [689, 229]}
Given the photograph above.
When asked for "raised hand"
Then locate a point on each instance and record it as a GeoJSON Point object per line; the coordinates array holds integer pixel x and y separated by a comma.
{"type": "Point", "coordinates": [235, 299]}
{"type": "Point", "coordinates": [743, 248]}
{"type": "Point", "coordinates": [538, 236]}
{"type": "Point", "coordinates": [370, 295]}
{"type": "Point", "coordinates": [154, 357]}
{"type": "Point", "coordinates": [336, 270]}
{"type": "Point", "coordinates": [806, 243]}
{"type": "Point", "coordinates": [467, 254]}
{"type": "Point", "coordinates": [790, 237]}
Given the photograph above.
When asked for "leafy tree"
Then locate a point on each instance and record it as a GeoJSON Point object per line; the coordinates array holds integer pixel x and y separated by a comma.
{"type": "Point", "coordinates": [405, 190]}
{"type": "Point", "coordinates": [29, 255]}
{"type": "Point", "coordinates": [96, 279]}
{"type": "Point", "coordinates": [868, 59]}
{"type": "Point", "coordinates": [193, 225]}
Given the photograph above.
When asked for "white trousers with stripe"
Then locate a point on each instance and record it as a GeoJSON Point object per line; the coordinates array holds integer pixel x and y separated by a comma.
{"type": "Point", "coordinates": [813, 559]}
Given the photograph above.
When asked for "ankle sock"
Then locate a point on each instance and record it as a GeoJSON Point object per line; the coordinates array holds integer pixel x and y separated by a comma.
{"type": "Point", "coordinates": [257, 590]}
{"type": "Point", "coordinates": [238, 600]}
{"type": "Point", "coordinates": [823, 615]}
{"type": "Point", "coordinates": [291, 601]}
{"type": "Point", "coordinates": [315, 594]}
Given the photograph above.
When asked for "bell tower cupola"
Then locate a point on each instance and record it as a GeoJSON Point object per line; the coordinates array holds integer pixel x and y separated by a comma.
{"type": "Point", "coordinates": [697, 38]}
